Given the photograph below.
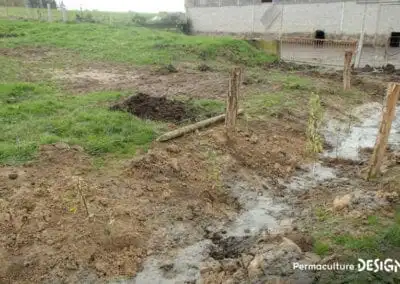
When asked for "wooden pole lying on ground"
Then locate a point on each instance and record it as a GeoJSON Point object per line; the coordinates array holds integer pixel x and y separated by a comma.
{"type": "Point", "coordinates": [232, 101]}
{"type": "Point", "coordinates": [190, 128]}
{"type": "Point", "coordinates": [383, 136]}
{"type": "Point", "coordinates": [348, 55]}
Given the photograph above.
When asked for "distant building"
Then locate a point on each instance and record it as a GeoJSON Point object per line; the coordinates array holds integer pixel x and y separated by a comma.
{"type": "Point", "coordinates": [339, 19]}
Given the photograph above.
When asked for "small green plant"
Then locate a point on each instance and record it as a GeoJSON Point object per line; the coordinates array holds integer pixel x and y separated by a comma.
{"type": "Point", "coordinates": [85, 17]}
{"type": "Point", "coordinates": [321, 248]}
{"type": "Point", "coordinates": [314, 140]}
{"type": "Point", "coordinates": [138, 19]}
{"type": "Point", "coordinates": [215, 171]}
{"type": "Point", "coordinates": [321, 214]}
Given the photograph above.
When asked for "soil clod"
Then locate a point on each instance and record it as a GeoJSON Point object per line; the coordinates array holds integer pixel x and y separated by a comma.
{"type": "Point", "coordinates": [13, 176]}
{"type": "Point", "coordinates": [157, 108]}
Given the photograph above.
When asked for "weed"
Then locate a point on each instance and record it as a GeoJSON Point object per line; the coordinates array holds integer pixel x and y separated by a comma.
{"type": "Point", "coordinates": [321, 214]}
{"type": "Point", "coordinates": [215, 171]}
{"type": "Point", "coordinates": [321, 248]}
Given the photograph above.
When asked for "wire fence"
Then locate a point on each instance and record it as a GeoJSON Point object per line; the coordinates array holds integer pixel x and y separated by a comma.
{"type": "Point", "coordinates": [57, 15]}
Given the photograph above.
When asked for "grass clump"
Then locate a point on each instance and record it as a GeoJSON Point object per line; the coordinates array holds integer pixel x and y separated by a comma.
{"type": "Point", "coordinates": [32, 115]}
{"type": "Point", "coordinates": [321, 248]}
{"type": "Point", "coordinates": [270, 104]}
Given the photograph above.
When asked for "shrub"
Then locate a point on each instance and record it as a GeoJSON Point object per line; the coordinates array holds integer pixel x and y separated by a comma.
{"type": "Point", "coordinates": [85, 17]}
{"type": "Point", "coordinates": [138, 19]}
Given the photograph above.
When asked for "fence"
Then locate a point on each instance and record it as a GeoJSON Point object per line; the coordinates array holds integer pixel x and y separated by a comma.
{"type": "Point", "coordinates": [363, 26]}
{"type": "Point", "coordinates": [315, 51]}
{"type": "Point", "coordinates": [40, 14]}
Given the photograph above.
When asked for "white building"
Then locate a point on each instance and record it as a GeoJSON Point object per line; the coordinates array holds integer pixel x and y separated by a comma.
{"type": "Point", "coordinates": [339, 19]}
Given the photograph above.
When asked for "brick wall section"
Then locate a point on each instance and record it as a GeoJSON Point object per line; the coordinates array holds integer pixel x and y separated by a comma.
{"type": "Point", "coordinates": [302, 18]}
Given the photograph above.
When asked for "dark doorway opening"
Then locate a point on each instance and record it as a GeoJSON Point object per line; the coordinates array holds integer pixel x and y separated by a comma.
{"type": "Point", "coordinates": [319, 37]}
{"type": "Point", "coordinates": [395, 39]}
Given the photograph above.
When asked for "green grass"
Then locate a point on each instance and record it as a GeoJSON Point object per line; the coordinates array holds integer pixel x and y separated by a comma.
{"type": "Point", "coordinates": [379, 238]}
{"type": "Point", "coordinates": [270, 104]}
{"type": "Point", "coordinates": [130, 44]}
{"type": "Point", "coordinates": [31, 115]}
{"type": "Point", "coordinates": [321, 248]}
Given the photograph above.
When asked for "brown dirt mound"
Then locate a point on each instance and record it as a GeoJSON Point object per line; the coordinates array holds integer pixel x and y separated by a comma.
{"type": "Point", "coordinates": [157, 108]}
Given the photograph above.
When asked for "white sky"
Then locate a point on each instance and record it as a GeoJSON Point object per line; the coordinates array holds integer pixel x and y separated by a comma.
{"type": "Point", "coordinates": [127, 5]}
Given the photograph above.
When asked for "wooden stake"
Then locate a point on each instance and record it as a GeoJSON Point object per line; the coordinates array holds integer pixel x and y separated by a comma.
{"type": "Point", "coordinates": [83, 197]}
{"type": "Point", "coordinates": [278, 48]}
{"type": "Point", "coordinates": [383, 136]}
{"type": "Point", "coordinates": [232, 100]}
{"type": "Point", "coordinates": [348, 55]}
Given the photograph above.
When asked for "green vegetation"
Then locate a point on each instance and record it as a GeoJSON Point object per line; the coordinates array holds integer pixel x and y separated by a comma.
{"type": "Point", "coordinates": [271, 104]}
{"type": "Point", "coordinates": [321, 248]}
{"type": "Point", "coordinates": [208, 107]}
{"type": "Point", "coordinates": [378, 237]}
{"type": "Point", "coordinates": [31, 115]}
{"type": "Point", "coordinates": [130, 44]}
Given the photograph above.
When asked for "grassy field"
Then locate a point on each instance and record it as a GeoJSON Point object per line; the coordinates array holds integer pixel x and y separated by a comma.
{"type": "Point", "coordinates": [38, 111]}
{"type": "Point", "coordinates": [129, 44]}
{"type": "Point", "coordinates": [32, 114]}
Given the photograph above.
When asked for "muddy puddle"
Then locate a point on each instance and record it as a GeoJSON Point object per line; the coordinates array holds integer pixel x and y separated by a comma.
{"type": "Point", "coordinates": [349, 138]}
{"type": "Point", "coordinates": [246, 247]}
{"type": "Point", "coordinates": [262, 214]}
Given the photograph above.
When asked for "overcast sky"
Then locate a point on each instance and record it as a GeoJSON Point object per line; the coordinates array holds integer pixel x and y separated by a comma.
{"type": "Point", "coordinates": [126, 5]}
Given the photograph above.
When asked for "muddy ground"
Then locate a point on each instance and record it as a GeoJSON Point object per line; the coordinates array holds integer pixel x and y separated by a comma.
{"type": "Point", "coordinates": [197, 207]}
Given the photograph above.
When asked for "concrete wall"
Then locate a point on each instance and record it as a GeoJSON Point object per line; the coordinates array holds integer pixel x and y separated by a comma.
{"type": "Point", "coordinates": [337, 19]}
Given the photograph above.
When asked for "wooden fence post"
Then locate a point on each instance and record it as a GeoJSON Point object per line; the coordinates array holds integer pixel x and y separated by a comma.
{"type": "Point", "coordinates": [232, 100]}
{"type": "Point", "coordinates": [348, 55]}
{"type": "Point", "coordinates": [278, 48]}
{"type": "Point", "coordinates": [388, 114]}
{"type": "Point", "coordinates": [64, 14]}
{"type": "Point", "coordinates": [49, 14]}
